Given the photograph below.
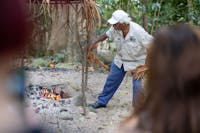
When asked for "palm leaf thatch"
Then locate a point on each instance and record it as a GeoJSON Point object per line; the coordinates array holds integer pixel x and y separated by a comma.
{"type": "Point", "coordinates": [44, 12]}
{"type": "Point", "coordinates": [89, 9]}
{"type": "Point", "coordinates": [91, 13]}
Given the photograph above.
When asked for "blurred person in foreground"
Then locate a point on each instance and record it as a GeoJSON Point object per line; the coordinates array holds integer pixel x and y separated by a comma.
{"type": "Point", "coordinates": [14, 31]}
{"type": "Point", "coordinates": [172, 95]}
{"type": "Point", "coordinates": [131, 42]}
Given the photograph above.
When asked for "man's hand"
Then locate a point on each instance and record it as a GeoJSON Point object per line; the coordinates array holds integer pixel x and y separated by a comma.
{"type": "Point", "coordinates": [139, 72]}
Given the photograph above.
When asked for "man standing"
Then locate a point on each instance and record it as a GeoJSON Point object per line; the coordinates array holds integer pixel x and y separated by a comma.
{"type": "Point", "coordinates": [131, 41]}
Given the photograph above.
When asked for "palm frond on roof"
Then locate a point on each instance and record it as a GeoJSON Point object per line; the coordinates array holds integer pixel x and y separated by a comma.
{"type": "Point", "coordinates": [89, 9]}
{"type": "Point", "coordinates": [55, 1]}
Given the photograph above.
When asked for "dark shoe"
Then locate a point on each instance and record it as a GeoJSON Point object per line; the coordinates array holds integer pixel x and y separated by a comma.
{"type": "Point", "coordinates": [96, 105]}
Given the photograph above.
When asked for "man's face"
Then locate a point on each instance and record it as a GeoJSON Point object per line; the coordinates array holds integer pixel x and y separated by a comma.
{"type": "Point", "coordinates": [117, 26]}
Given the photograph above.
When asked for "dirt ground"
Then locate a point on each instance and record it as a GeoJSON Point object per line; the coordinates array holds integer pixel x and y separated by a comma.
{"type": "Point", "coordinates": [66, 115]}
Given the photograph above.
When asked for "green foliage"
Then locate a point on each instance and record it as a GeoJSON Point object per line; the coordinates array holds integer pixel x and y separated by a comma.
{"type": "Point", "coordinates": [195, 14]}
{"type": "Point", "coordinates": [54, 58]}
{"type": "Point", "coordinates": [59, 57]}
{"type": "Point", "coordinates": [158, 12]}
{"type": "Point", "coordinates": [107, 7]}
{"type": "Point", "coordinates": [39, 62]}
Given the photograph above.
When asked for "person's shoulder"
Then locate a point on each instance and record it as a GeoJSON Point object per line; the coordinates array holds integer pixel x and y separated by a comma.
{"type": "Point", "coordinates": [136, 25]}
{"type": "Point", "coordinates": [137, 29]}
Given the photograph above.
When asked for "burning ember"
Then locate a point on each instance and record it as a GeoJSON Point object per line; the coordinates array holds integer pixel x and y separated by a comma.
{"type": "Point", "coordinates": [54, 94]}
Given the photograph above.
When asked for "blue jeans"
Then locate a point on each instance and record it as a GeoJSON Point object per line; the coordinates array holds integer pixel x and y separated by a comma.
{"type": "Point", "coordinates": [113, 81]}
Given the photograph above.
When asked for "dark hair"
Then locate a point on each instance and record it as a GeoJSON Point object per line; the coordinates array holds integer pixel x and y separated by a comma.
{"type": "Point", "coordinates": [173, 83]}
{"type": "Point", "coordinates": [13, 26]}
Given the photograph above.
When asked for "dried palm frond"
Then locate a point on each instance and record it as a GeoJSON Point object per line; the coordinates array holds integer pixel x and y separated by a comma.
{"type": "Point", "coordinates": [139, 72]}
{"type": "Point", "coordinates": [93, 58]}
{"type": "Point", "coordinates": [91, 13]}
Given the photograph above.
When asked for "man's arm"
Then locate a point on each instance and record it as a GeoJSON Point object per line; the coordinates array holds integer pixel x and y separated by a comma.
{"type": "Point", "coordinates": [94, 44]}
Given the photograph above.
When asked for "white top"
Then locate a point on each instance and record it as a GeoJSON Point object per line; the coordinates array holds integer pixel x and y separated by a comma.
{"type": "Point", "coordinates": [131, 50]}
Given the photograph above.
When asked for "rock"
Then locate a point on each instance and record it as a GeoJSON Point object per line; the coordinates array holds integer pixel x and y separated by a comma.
{"type": "Point", "coordinates": [63, 110]}
{"type": "Point", "coordinates": [64, 115]}
{"type": "Point", "coordinates": [37, 110]}
{"type": "Point", "coordinates": [91, 115]}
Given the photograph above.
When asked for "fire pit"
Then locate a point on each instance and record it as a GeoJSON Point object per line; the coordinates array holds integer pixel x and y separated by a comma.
{"type": "Point", "coordinates": [52, 104]}
{"type": "Point", "coordinates": [54, 92]}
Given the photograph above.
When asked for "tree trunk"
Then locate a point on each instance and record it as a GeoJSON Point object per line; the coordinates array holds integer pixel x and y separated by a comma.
{"type": "Point", "coordinates": [144, 16]}
{"type": "Point", "coordinates": [190, 7]}
{"type": "Point", "coordinates": [63, 34]}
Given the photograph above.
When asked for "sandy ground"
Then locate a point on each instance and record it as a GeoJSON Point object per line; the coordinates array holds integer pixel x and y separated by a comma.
{"type": "Point", "coordinates": [68, 117]}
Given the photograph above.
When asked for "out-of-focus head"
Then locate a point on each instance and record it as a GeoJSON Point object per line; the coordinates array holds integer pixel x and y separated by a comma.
{"type": "Point", "coordinates": [13, 25]}
{"type": "Point", "coordinates": [119, 16]}
{"type": "Point", "coordinates": [175, 63]}
{"type": "Point", "coordinates": [172, 93]}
